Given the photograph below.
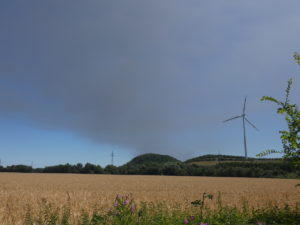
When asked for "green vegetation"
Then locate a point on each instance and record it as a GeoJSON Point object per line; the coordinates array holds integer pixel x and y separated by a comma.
{"type": "Point", "coordinates": [210, 157]}
{"type": "Point", "coordinates": [151, 158]}
{"type": "Point", "coordinates": [124, 211]}
{"type": "Point", "coordinates": [225, 158]}
{"type": "Point", "coordinates": [290, 138]}
{"type": "Point", "coordinates": [155, 164]}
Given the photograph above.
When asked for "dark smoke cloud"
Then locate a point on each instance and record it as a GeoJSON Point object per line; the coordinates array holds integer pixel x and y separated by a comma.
{"type": "Point", "coordinates": [133, 73]}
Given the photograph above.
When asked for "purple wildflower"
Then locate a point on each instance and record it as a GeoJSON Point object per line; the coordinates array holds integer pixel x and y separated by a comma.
{"type": "Point", "coordinates": [126, 202]}
{"type": "Point", "coordinates": [185, 221]}
{"type": "Point", "coordinates": [116, 204]}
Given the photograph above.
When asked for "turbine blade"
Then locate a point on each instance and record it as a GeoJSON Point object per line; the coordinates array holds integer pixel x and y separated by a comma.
{"type": "Point", "coordinates": [244, 109]}
{"type": "Point", "coordinates": [233, 118]}
{"type": "Point", "coordinates": [251, 124]}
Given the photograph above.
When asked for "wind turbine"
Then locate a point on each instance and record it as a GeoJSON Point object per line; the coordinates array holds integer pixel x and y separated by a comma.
{"type": "Point", "coordinates": [244, 128]}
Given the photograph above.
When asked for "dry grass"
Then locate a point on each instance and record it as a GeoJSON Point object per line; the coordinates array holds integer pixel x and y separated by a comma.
{"type": "Point", "coordinates": [18, 191]}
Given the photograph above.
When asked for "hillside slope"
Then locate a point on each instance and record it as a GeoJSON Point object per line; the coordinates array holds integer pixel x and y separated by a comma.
{"type": "Point", "coordinates": [151, 158]}
{"type": "Point", "coordinates": [211, 157]}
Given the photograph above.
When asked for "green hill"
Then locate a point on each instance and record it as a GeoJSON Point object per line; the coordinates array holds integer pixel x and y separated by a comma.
{"type": "Point", "coordinates": [150, 159]}
{"type": "Point", "coordinates": [152, 164]}
{"type": "Point", "coordinates": [231, 158]}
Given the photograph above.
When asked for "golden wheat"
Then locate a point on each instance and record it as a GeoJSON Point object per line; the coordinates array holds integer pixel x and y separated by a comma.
{"type": "Point", "coordinates": [19, 192]}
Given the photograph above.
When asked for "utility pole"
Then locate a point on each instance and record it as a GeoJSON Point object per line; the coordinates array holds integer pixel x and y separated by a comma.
{"type": "Point", "coordinates": [112, 157]}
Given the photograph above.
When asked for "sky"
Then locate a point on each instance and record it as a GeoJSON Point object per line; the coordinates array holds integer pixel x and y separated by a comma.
{"type": "Point", "coordinates": [80, 79]}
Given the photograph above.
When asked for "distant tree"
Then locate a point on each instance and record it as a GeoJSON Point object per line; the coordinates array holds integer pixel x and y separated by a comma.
{"type": "Point", "coordinates": [172, 169]}
{"type": "Point", "coordinates": [62, 168]}
{"type": "Point", "coordinates": [153, 170]}
{"type": "Point", "coordinates": [149, 169]}
{"type": "Point", "coordinates": [111, 169]}
{"type": "Point", "coordinates": [38, 170]}
{"type": "Point", "coordinates": [78, 167]}
{"type": "Point", "coordinates": [90, 169]}
{"type": "Point", "coordinates": [19, 168]}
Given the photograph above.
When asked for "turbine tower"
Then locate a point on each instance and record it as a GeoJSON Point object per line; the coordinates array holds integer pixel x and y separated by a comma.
{"type": "Point", "coordinates": [112, 157]}
{"type": "Point", "coordinates": [244, 127]}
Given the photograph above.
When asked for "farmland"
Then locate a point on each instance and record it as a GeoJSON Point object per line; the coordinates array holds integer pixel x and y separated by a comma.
{"type": "Point", "coordinates": [19, 192]}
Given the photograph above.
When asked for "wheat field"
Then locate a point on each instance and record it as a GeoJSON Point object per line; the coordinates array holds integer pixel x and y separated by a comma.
{"type": "Point", "coordinates": [19, 192]}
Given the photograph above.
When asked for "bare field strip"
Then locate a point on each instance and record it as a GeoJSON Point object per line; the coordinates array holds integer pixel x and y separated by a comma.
{"type": "Point", "coordinates": [18, 191]}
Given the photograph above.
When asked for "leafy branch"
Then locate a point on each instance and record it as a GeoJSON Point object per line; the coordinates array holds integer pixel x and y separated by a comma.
{"type": "Point", "coordinates": [290, 138]}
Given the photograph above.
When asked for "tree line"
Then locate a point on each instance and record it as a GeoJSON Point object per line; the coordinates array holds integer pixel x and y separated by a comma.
{"type": "Point", "coordinates": [282, 169]}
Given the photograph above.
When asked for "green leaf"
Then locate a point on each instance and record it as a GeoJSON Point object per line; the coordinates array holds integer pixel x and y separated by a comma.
{"type": "Point", "coordinates": [297, 57]}
{"type": "Point", "coordinates": [268, 98]}
{"type": "Point", "coordinates": [281, 110]}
